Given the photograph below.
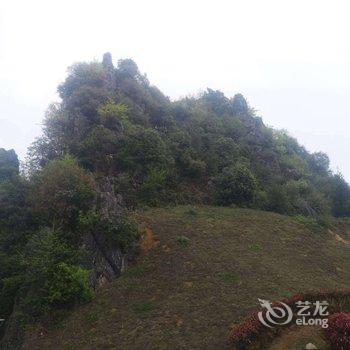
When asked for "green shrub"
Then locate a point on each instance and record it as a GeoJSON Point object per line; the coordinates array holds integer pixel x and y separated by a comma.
{"type": "Point", "coordinates": [195, 168]}
{"type": "Point", "coordinates": [255, 248]}
{"type": "Point", "coordinates": [153, 186]}
{"type": "Point", "coordinates": [52, 277]}
{"type": "Point", "coordinates": [69, 284]}
{"type": "Point", "coordinates": [61, 191]}
{"type": "Point", "coordinates": [143, 149]}
{"type": "Point", "coordinates": [183, 241]}
{"type": "Point", "coordinates": [191, 167]}
{"type": "Point", "coordinates": [236, 185]}
{"type": "Point", "coordinates": [120, 230]}
{"type": "Point", "coordinates": [226, 150]}
{"type": "Point", "coordinates": [277, 200]}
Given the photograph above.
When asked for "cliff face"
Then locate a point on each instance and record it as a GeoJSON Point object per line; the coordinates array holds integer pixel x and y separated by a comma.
{"type": "Point", "coordinates": [104, 261]}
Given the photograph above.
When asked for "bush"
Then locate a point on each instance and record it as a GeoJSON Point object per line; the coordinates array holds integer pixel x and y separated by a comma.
{"type": "Point", "coordinates": [143, 149]}
{"type": "Point", "coordinates": [183, 241]}
{"type": "Point", "coordinates": [118, 229]}
{"type": "Point", "coordinates": [122, 233]}
{"type": "Point", "coordinates": [189, 166]}
{"type": "Point", "coordinates": [338, 331]}
{"type": "Point", "coordinates": [236, 185]}
{"type": "Point", "coordinates": [69, 284]}
{"type": "Point", "coordinates": [278, 200]}
{"type": "Point", "coordinates": [226, 150]}
{"type": "Point", "coordinates": [52, 278]}
{"type": "Point", "coordinates": [98, 149]}
{"type": "Point", "coordinates": [153, 186]}
{"type": "Point", "coordinates": [61, 191]}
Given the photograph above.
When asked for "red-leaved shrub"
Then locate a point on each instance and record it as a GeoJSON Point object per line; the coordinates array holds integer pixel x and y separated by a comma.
{"type": "Point", "coordinates": [338, 331]}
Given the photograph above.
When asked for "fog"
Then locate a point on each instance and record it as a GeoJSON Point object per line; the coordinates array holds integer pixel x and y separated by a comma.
{"type": "Point", "coordinates": [290, 59]}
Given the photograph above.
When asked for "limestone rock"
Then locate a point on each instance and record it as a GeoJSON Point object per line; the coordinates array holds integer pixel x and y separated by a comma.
{"type": "Point", "coordinates": [107, 61]}
{"type": "Point", "coordinates": [107, 64]}
{"type": "Point", "coordinates": [239, 104]}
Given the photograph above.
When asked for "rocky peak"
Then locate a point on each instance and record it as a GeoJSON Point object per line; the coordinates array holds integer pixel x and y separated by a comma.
{"type": "Point", "coordinates": [239, 104]}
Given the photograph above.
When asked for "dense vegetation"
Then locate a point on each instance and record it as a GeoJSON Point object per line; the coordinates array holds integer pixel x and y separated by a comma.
{"type": "Point", "coordinates": [113, 127]}
{"type": "Point", "coordinates": [206, 149]}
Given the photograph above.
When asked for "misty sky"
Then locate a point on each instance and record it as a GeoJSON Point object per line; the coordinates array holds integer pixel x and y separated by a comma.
{"type": "Point", "coordinates": [291, 59]}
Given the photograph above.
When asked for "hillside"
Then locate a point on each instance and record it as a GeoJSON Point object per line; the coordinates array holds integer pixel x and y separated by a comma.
{"type": "Point", "coordinates": [205, 271]}
{"type": "Point", "coordinates": [114, 144]}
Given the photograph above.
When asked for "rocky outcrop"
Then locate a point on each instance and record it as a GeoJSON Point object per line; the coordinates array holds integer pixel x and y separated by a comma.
{"type": "Point", "coordinates": [103, 260]}
{"type": "Point", "coordinates": [107, 64]}
{"type": "Point", "coordinates": [239, 105]}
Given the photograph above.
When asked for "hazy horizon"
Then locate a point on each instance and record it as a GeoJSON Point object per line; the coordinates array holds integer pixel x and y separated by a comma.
{"type": "Point", "coordinates": [291, 60]}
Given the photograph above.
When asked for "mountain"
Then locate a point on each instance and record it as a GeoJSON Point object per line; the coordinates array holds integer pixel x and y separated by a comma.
{"type": "Point", "coordinates": [114, 145]}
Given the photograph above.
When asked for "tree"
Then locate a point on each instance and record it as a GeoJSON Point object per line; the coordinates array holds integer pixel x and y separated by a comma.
{"type": "Point", "coordinates": [340, 197]}
{"type": "Point", "coordinates": [61, 191]}
{"type": "Point", "coordinates": [320, 162]}
{"type": "Point", "coordinates": [52, 277]}
{"type": "Point", "coordinates": [236, 185]}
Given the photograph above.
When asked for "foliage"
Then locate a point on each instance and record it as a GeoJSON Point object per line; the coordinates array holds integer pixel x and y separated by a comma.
{"type": "Point", "coordinates": [236, 185]}
{"type": "Point", "coordinates": [209, 146]}
{"type": "Point", "coordinates": [113, 115]}
{"type": "Point", "coordinates": [340, 196]}
{"type": "Point", "coordinates": [119, 230]}
{"type": "Point", "coordinates": [52, 277]}
{"type": "Point", "coordinates": [153, 187]}
{"type": "Point", "coordinates": [61, 191]}
{"type": "Point", "coordinates": [70, 283]}
{"type": "Point", "coordinates": [338, 331]}
{"type": "Point", "coordinates": [183, 241]}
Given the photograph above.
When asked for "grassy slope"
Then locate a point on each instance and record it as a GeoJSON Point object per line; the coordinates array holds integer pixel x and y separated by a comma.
{"type": "Point", "coordinates": [180, 297]}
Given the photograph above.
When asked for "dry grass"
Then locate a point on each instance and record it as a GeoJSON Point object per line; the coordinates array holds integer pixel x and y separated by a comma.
{"type": "Point", "coordinates": [186, 296]}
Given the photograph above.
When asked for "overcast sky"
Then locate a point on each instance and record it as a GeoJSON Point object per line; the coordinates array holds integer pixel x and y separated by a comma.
{"type": "Point", "coordinates": [291, 59]}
